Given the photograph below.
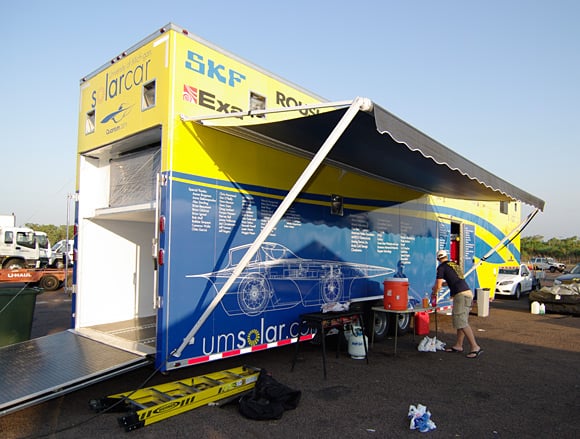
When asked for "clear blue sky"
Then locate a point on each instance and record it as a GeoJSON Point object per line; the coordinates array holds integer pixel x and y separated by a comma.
{"type": "Point", "coordinates": [497, 81]}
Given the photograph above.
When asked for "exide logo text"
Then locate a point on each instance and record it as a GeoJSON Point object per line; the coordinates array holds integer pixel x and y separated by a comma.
{"type": "Point", "coordinates": [207, 100]}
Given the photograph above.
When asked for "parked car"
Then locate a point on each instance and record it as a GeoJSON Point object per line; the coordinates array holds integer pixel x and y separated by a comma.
{"type": "Point", "coordinates": [569, 278]}
{"type": "Point", "coordinates": [513, 281]}
{"type": "Point", "coordinates": [547, 264]}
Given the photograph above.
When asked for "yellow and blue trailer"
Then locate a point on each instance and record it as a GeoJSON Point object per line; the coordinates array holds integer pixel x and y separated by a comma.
{"type": "Point", "coordinates": [216, 202]}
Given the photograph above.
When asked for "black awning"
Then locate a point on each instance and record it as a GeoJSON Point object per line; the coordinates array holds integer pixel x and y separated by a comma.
{"type": "Point", "coordinates": [380, 144]}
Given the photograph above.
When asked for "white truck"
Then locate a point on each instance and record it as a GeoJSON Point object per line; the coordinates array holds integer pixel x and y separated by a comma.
{"type": "Point", "coordinates": [18, 248]}
{"type": "Point", "coordinates": [514, 281]}
{"type": "Point", "coordinates": [62, 254]}
{"type": "Point", "coordinates": [548, 264]}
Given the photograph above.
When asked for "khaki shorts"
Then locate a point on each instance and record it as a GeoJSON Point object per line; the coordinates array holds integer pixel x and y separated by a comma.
{"type": "Point", "coordinates": [461, 306]}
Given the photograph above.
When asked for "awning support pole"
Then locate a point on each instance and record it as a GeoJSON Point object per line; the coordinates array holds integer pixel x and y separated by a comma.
{"type": "Point", "coordinates": [357, 105]}
{"type": "Point", "coordinates": [507, 237]}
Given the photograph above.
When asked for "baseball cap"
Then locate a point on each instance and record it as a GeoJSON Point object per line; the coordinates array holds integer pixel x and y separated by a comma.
{"type": "Point", "coordinates": [441, 254]}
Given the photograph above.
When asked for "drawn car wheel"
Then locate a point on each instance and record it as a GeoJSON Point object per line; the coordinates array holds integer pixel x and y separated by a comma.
{"type": "Point", "coordinates": [253, 294]}
{"type": "Point", "coordinates": [49, 283]}
{"type": "Point", "coordinates": [332, 289]}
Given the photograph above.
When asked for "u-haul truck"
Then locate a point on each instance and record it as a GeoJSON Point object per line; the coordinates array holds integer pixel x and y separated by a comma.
{"type": "Point", "coordinates": [217, 202]}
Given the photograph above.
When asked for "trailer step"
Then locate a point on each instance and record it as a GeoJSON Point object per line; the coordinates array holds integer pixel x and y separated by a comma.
{"type": "Point", "coordinates": [153, 404]}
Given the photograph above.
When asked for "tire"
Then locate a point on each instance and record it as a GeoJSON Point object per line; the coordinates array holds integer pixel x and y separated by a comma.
{"type": "Point", "coordinates": [49, 283]}
{"type": "Point", "coordinates": [404, 322]}
{"type": "Point", "coordinates": [14, 264]}
{"type": "Point", "coordinates": [552, 269]}
{"type": "Point", "coordinates": [383, 323]}
{"type": "Point", "coordinates": [518, 292]}
{"type": "Point", "coordinates": [380, 325]}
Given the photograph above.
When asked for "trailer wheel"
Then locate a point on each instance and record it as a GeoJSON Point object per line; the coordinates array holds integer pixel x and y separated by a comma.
{"type": "Point", "coordinates": [377, 323]}
{"type": "Point", "coordinates": [253, 294]}
{"type": "Point", "coordinates": [49, 282]}
{"type": "Point", "coordinates": [380, 325]}
{"type": "Point", "coordinates": [404, 322]}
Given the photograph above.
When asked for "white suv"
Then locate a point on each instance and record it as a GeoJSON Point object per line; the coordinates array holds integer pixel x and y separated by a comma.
{"type": "Point", "coordinates": [547, 264]}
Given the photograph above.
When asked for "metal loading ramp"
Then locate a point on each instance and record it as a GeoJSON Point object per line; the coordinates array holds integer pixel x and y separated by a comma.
{"type": "Point", "coordinates": [44, 368]}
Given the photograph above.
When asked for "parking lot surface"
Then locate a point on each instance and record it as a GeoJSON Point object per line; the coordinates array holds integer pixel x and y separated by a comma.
{"type": "Point", "coordinates": [525, 384]}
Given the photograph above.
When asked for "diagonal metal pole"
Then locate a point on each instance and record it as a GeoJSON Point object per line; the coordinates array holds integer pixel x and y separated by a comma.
{"type": "Point", "coordinates": [507, 238]}
{"type": "Point", "coordinates": [357, 105]}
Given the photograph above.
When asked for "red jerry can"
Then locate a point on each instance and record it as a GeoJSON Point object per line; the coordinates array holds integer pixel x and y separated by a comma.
{"type": "Point", "coordinates": [422, 323]}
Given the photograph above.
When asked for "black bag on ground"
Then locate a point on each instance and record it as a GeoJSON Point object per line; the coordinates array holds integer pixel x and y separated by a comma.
{"type": "Point", "coordinates": [268, 399]}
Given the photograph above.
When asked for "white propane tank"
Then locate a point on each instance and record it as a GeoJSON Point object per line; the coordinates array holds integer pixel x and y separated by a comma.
{"type": "Point", "coordinates": [356, 348]}
{"type": "Point", "coordinates": [535, 307]}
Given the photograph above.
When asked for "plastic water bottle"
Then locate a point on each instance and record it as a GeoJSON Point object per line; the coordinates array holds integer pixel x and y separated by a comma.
{"type": "Point", "coordinates": [542, 308]}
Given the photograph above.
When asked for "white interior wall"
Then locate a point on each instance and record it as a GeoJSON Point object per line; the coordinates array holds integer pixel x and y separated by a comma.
{"type": "Point", "coordinates": [114, 267]}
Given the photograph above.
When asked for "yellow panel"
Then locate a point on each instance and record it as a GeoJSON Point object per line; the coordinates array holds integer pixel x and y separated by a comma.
{"type": "Point", "coordinates": [115, 96]}
{"type": "Point", "coordinates": [208, 81]}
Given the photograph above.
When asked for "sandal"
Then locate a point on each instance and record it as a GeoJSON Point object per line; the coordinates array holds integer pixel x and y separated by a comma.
{"type": "Point", "coordinates": [474, 354]}
{"type": "Point", "coordinates": [453, 350]}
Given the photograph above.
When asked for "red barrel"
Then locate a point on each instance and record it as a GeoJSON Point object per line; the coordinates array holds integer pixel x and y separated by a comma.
{"type": "Point", "coordinates": [396, 293]}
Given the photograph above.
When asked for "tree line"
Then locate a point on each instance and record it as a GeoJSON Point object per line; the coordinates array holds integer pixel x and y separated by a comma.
{"type": "Point", "coordinates": [565, 250]}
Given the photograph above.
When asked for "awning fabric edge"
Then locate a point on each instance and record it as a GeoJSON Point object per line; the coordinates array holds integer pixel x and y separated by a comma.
{"type": "Point", "coordinates": [415, 140]}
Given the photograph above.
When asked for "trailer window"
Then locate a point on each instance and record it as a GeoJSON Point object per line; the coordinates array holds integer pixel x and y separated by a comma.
{"type": "Point", "coordinates": [503, 207]}
{"type": "Point", "coordinates": [90, 122]}
{"type": "Point", "coordinates": [257, 102]}
{"type": "Point", "coordinates": [149, 95]}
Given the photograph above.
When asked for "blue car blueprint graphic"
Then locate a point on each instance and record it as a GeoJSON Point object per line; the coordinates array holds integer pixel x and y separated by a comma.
{"type": "Point", "coordinates": [277, 279]}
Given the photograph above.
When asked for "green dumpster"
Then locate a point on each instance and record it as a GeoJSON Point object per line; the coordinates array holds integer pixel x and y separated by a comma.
{"type": "Point", "coordinates": [17, 302]}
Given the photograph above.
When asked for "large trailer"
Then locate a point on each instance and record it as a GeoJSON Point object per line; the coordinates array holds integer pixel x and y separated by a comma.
{"type": "Point", "coordinates": [217, 202]}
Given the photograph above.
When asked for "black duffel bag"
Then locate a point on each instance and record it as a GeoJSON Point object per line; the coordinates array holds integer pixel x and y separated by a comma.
{"type": "Point", "coordinates": [268, 399]}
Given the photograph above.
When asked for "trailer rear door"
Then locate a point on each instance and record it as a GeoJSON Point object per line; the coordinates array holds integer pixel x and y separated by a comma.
{"type": "Point", "coordinates": [44, 368]}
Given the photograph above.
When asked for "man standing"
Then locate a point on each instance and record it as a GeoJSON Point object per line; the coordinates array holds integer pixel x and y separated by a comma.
{"type": "Point", "coordinates": [451, 273]}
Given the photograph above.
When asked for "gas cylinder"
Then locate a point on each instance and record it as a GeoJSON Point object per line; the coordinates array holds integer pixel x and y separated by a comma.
{"type": "Point", "coordinates": [356, 343]}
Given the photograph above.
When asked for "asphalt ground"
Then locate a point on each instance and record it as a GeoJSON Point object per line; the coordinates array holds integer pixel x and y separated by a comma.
{"type": "Point", "coordinates": [525, 384]}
